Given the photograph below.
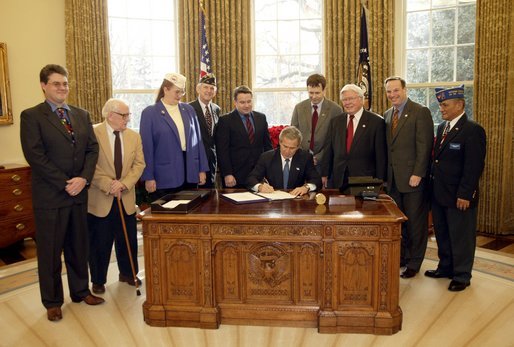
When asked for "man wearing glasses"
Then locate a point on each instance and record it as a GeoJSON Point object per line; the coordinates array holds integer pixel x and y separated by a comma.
{"type": "Point", "coordinates": [120, 164]}
{"type": "Point", "coordinates": [60, 146]}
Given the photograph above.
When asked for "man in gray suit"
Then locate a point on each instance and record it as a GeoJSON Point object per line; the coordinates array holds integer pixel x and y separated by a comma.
{"type": "Point", "coordinates": [312, 117]}
{"type": "Point", "coordinates": [410, 136]}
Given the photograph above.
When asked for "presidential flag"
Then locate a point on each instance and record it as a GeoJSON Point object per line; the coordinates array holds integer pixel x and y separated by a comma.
{"type": "Point", "coordinates": [205, 56]}
{"type": "Point", "coordinates": [364, 71]}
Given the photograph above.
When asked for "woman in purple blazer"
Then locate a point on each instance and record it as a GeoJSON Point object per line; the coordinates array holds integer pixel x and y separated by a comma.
{"type": "Point", "coordinates": [172, 144]}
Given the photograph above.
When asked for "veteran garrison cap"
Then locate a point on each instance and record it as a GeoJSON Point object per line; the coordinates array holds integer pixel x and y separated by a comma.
{"type": "Point", "coordinates": [449, 93]}
{"type": "Point", "coordinates": [209, 78]}
{"type": "Point", "coordinates": [177, 79]}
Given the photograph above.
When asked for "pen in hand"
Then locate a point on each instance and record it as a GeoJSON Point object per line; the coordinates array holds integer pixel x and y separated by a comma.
{"type": "Point", "coordinates": [266, 187]}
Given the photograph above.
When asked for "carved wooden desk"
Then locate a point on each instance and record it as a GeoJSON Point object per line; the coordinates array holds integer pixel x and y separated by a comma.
{"type": "Point", "coordinates": [282, 263]}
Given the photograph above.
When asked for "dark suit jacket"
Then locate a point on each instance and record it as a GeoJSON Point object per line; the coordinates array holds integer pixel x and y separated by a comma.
{"type": "Point", "coordinates": [269, 166]}
{"type": "Point", "coordinates": [410, 148]}
{"type": "Point", "coordinates": [236, 155]}
{"type": "Point", "coordinates": [459, 163]}
{"type": "Point", "coordinates": [53, 157]}
{"type": "Point", "coordinates": [367, 155]}
{"type": "Point", "coordinates": [207, 139]}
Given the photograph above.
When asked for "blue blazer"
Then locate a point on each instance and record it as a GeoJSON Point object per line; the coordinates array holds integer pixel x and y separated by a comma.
{"type": "Point", "coordinates": [162, 150]}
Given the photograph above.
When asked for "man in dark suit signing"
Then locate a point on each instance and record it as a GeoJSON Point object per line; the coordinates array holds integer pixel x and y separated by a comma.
{"type": "Point", "coordinates": [208, 114]}
{"type": "Point", "coordinates": [289, 167]}
{"type": "Point", "coordinates": [410, 136]}
{"type": "Point", "coordinates": [241, 137]}
{"type": "Point", "coordinates": [61, 148]}
{"type": "Point", "coordinates": [459, 155]}
{"type": "Point", "coordinates": [355, 144]}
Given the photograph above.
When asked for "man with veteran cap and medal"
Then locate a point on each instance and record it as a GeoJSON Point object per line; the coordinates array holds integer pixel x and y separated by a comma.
{"type": "Point", "coordinates": [208, 114]}
{"type": "Point", "coordinates": [459, 155]}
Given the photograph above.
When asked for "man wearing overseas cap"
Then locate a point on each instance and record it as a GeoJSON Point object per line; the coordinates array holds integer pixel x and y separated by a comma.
{"type": "Point", "coordinates": [172, 144]}
{"type": "Point", "coordinates": [208, 114]}
{"type": "Point", "coordinates": [459, 155]}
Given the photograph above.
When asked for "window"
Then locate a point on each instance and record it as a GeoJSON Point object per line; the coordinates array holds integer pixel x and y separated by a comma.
{"type": "Point", "coordinates": [439, 49]}
{"type": "Point", "coordinates": [287, 49]}
{"type": "Point", "coordinates": [143, 38]}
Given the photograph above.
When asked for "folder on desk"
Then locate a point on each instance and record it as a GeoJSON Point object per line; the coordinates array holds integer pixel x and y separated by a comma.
{"type": "Point", "coordinates": [244, 197]}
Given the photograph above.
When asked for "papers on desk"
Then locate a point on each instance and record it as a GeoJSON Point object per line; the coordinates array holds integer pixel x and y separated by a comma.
{"type": "Point", "coordinates": [277, 195]}
{"type": "Point", "coordinates": [175, 203]}
{"type": "Point", "coordinates": [249, 197]}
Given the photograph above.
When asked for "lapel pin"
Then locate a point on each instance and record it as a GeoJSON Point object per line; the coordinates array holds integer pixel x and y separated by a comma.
{"type": "Point", "coordinates": [297, 169]}
{"type": "Point", "coordinates": [456, 128]}
{"type": "Point", "coordinates": [162, 112]}
{"type": "Point", "coordinates": [363, 125]}
{"type": "Point", "coordinates": [406, 115]}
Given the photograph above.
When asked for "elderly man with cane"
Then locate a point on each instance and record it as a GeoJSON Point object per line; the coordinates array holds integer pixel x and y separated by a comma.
{"type": "Point", "coordinates": [112, 198]}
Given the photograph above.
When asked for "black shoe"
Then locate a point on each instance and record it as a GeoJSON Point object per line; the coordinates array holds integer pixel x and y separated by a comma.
{"type": "Point", "coordinates": [437, 274]}
{"type": "Point", "coordinates": [408, 273]}
{"type": "Point", "coordinates": [456, 286]}
{"type": "Point", "coordinates": [129, 280]}
{"type": "Point", "coordinates": [98, 288]}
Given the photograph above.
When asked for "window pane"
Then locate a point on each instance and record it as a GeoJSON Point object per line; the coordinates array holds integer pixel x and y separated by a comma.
{"type": "Point", "coordinates": [310, 33]}
{"type": "Point", "coordinates": [309, 64]}
{"type": "Point", "coordinates": [310, 9]}
{"type": "Point", "coordinates": [265, 9]}
{"type": "Point", "coordinates": [289, 37]}
{"type": "Point", "coordinates": [443, 3]}
{"type": "Point", "coordinates": [442, 64]}
{"type": "Point", "coordinates": [278, 106]}
{"type": "Point", "coordinates": [465, 63]}
{"type": "Point", "coordinates": [415, 5]}
{"type": "Point", "coordinates": [137, 103]}
{"type": "Point", "coordinates": [417, 65]}
{"type": "Point", "coordinates": [466, 31]}
{"type": "Point", "coordinates": [287, 9]}
{"type": "Point", "coordinates": [265, 73]}
{"type": "Point", "coordinates": [266, 37]}
{"type": "Point", "coordinates": [418, 29]}
{"type": "Point", "coordinates": [288, 72]}
{"type": "Point", "coordinates": [443, 27]}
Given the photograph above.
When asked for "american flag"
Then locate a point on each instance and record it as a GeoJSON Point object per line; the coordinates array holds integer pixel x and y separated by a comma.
{"type": "Point", "coordinates": [205, 56]}
{"type": "Point", "coordinates": [364, 71]}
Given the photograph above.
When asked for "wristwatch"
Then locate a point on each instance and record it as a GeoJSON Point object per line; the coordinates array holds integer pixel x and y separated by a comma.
{"type": "Point", "coordinates": [308, 187]}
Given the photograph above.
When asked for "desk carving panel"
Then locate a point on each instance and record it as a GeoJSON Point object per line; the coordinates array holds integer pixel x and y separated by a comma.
{"type": "Point", "coordinates": [282, 263]}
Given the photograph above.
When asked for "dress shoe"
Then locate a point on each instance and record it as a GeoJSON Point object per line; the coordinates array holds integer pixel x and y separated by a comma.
{"type": "Point", "coordinates": [54, 314]}
{"type": "Point", "coordinates": [98, 288]}
{"type": "Point", "coordinates": [456, 286]}
{"type": "Point", "coordinates": [408, 273]}
{"type": "Point", "coordinates": [90, 300]}
{"type": "Point", "coordinates": [436, 274]}
{"type": "Point", "coordinates": [129, 280]}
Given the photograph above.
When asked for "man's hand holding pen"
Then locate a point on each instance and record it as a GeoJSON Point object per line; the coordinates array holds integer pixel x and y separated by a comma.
{"type": "Point", "coordinates": [265, 187]}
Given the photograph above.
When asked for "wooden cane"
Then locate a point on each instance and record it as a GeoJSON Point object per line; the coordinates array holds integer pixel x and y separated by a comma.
{"type": "Point", "coordinates": [138, 292]}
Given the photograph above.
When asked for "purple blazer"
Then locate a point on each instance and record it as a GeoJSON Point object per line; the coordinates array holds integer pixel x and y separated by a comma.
{"type": "Point", "coordinates": [161, 146]}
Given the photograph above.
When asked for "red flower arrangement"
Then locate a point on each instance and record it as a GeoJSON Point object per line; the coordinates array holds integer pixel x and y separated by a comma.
{"type": "Point", "coordinates": [274, 132]}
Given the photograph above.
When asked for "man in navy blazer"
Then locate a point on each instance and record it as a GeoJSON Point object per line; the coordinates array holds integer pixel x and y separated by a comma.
{"type": "Point", "coordinates": [268, 174]}
{"type": "Point", "coordinates": [459, 156]}
{"type": "Point", "coordinates": [362, 155]}
{"type": "Point", "coordinates": [241, 137]}
{"type": "Point", "coordinates": [206, 90]}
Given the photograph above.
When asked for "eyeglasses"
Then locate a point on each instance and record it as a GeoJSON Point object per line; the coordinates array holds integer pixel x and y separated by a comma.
{"type": "Point", "coordinates": [123, 115]}
{"type": "Point", "coordinates": [350, 99]}
{"type": "Point", "coordinates": [59, 84]}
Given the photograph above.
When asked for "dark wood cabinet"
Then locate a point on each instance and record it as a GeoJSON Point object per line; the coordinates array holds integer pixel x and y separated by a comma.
{"type": "Point", "coordinates": [16, 217]}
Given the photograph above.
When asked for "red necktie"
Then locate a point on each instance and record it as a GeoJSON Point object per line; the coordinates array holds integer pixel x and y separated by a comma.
{"type": "Point", "coordinates": [117, 155]}
{"type": "Point", "coordinates": [349, 134]}
{"type": "Point", "coordinates": [313, 125]}
{"type": "Point", "coordinates": [249, 128]}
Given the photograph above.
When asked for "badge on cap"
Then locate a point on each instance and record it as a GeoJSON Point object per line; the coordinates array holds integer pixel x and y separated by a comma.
{"type": "Point", "coordinates": [177, 79]}
{"type": "Point", "coordinates": [449, 93]}
{"type": "Point", "coordinates": [209, 78]}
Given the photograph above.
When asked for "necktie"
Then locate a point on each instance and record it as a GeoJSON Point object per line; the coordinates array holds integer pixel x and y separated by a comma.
{"type": "Point", "coordinates": [394, 124]}
{"type": "Point", "coordinates": [313, 125]}
{"type": "Point", "coordinates": [208, 119]}
{"type": "Point", "coordinates": [445, 133]}
{"type": "Point", "coordinates": [249, 128]}
{"type": "Point", "coordinates": [286, 173]}
{"type": "Point", "coordinates": [349, 134]}
{"type": "Point", "coordinates": [117, 155]}
{"type": "Point", "coordinates": [61, 112]}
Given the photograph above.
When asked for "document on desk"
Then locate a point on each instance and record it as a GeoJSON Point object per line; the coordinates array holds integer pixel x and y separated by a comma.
{"type": "Point", "coordinates": [175, 203]}
{"type": "Point", "coordinates": [244, 197]}
{"type": "Point", "coordinates": [277, 195]}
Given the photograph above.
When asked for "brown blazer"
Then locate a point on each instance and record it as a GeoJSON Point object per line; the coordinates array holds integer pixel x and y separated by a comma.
{"type": "Point", "coordinates": [99, 201]}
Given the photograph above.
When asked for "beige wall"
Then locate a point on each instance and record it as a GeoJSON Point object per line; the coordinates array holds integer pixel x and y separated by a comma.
{"type": "Point", "coordinates": [34, 33]}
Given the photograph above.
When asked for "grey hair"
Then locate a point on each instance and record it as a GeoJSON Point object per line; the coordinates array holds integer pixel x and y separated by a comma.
{"type": "Point", "coordinates": [354, 88]}
{"type": "Point", "coordinates": [112, 105]}
{"type": "Point", "coordinates": [292, 133]}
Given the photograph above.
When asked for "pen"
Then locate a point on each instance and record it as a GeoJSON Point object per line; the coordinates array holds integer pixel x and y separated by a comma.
{"type": "Point", "coordinates": [264, 180]}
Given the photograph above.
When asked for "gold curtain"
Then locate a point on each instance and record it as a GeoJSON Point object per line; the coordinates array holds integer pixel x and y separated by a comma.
{"type": "Point", "coordinates": [494, 109]}
{"type": "Point", "coordinates": [88, 57]}
{"type": "Point", "coordinates": [342, 33]}
{"type": "Point", "coordinates": [229, 37]}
